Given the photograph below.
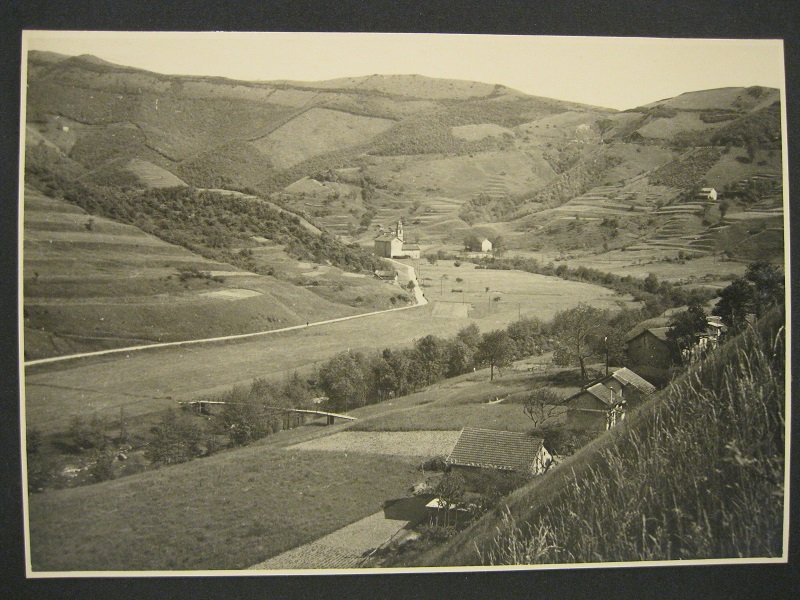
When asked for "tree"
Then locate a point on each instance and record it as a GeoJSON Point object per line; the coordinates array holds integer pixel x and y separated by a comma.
{"type": "Point", "coordinates": [470, 335]}
{"type": "Point", "coordinates": [295, 391]}
{"type": "Point", "coordinates": [496, 350]}
{"type": "Point", "coordinates": [174, 440]}
{"type": "Point", "coordinates": [768, 285]}
{"type": "Point", "coordinates": [684, 328]}
{"type": "Point", "coordinates": [430, 359]}
{"type": "Point", "coordinates": [472, 242]}
{"type": "Point", "coordinates": [576, 331]}
{"type": "Point", "coordinates": [724, 206]}
{"type": "Point", "coordinates": [651, 283]}
{"type": "Point", "coordinates": [528, 336]}
{"type": "Point", "coordinates": [382, 379]}
{"type": "Point", "coordinates": [735, 302]}
{"type": "Point", "coordinates": [343, 381]}
{"type": "Point", "coordinates": [498, 244]}
{"type": "Point", "coordinates": [460, 358]}
{"type": "Point", "coordinates": [450, 493]}
{"type": "Point", "coordinates": [245, 416]}
{"type": "Point", "coordinates": [88, 434]}
{"type": "Point", "coordinates": [542, 405]}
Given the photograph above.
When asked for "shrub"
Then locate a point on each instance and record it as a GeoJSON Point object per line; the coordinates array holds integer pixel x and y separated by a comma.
{"type": "Point", "coordinates": [86, 435]}
{"type": "Point", "coordinates": [175, 440]}
{"type": "Point", "coordinates": [437, 463]}
{"type": "Point", "coordinates": [102, 469]}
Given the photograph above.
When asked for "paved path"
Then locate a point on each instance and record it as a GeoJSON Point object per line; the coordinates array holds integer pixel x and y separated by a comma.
{"type": "Point", "coordinates": [420, 301]}
{"type": "Point", "coordinates": [345, 548]}
{"type": "Point", "coordinates": [410, 275]}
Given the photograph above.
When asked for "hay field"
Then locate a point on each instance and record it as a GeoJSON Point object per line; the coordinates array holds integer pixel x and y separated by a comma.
{"type": "Point", "coordinates": [389, 443]}
{"type": "Point", "coordinates": [519, 293]}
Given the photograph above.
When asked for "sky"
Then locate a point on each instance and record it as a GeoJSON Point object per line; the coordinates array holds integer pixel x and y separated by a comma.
{"type": "Point", "coordinates": [611, 72]}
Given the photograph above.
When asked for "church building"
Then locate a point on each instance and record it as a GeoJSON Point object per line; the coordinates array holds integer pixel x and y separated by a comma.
{"type": "Point", "coordinates": [392, 244]}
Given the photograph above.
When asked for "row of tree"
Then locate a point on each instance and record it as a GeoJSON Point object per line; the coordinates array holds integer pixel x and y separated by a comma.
{"type": "Point", "coordinates": [576, 336]}
{"type": "Point", "coordinates": [353, 379]}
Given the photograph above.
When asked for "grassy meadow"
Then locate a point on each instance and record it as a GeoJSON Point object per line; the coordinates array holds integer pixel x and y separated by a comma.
{"type": "Point", "coordinates": [242, 506]}
{"type": "Point", "coordinates": [228, 511]}
{"type": "Point", "coordinates": [151, 381]}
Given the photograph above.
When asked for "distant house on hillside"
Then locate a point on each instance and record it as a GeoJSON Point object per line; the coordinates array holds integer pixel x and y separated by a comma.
{"type": "Point", "coordinates": [602, 403]}
{"type": "Point", "coordinates": [386, 275]}
{"type": "Point", "coordinates": [707, 194]}
{"type": "Point", "coordinates": [477, 244]}
{"type": "Point", "coordinates": [392, 244]}
{"type": "Point", "coordinates": [511, 451]}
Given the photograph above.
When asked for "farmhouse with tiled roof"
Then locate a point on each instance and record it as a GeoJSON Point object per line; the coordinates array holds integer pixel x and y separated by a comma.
{"type": "Point", "coordinates": [607, 397]}
{"type": "Point", "coordinates": [499, 450]}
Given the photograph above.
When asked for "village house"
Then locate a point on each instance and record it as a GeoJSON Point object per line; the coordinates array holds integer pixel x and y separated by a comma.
{"type": "Point", "coordinates": [511, 451]}
{"type": "Point", "coordinates": [707, 194]}
{"type": "Point", "coordinates": [390, 244]}
{"type": "Point", "coordinates": [475, 244]}
{"type": "Point", "coordinates": [411, 250]}
{"type": "Point", "coordinates": [706, 340]}
{"type": "Point", "coordinates": [602, 403]}
{"type": "Point", "coordinates": [651, 349]}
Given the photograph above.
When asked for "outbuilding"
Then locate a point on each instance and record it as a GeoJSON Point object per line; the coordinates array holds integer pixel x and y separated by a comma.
{"type": "Point", "coordinates": [511, 451]}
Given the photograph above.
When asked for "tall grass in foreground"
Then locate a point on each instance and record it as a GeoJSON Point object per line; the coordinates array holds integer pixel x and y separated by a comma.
{"type": "Point", "coordinates": [699, 473]}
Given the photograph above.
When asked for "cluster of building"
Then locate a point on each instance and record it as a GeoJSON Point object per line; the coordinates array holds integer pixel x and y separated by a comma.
{"type": "Point", "coordinates": [600, 404]}
{"type": "Point", "coordinates": [650, 352]}
{"type": "Point", "coordinates": [603, 403]}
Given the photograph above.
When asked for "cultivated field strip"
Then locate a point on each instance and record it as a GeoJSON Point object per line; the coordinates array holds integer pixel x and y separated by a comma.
{"type": "Point", "coordinates": [393, 443]}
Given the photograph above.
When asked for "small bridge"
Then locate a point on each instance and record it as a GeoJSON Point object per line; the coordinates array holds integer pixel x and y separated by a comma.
{"type": "Point", "coordinates": [202, 406]}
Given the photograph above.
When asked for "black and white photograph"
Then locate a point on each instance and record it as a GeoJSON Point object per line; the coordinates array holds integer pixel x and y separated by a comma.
{"type": "Point", "coordinates": [318, 303]}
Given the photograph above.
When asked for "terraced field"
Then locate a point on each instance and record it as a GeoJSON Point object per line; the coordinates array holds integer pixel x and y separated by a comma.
{"type": "Point", "coordinates": [91, 283]}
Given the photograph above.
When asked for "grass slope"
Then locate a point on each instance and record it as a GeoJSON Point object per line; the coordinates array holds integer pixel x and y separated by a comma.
{"type": "Point", "coordinates": [92, 283]}
{"type": "Point", "coordinates": [228, 511]}
{"type": "Point", "coordinates": [697, 473]}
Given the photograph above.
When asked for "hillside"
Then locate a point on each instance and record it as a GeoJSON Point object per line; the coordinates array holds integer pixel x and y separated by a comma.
{"type": "Point", "coordinates": [93, 282]}
{"type": "Point", "coordinates": [698, 472]}
{"type": "Point", "coordinates": [346, 158]}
